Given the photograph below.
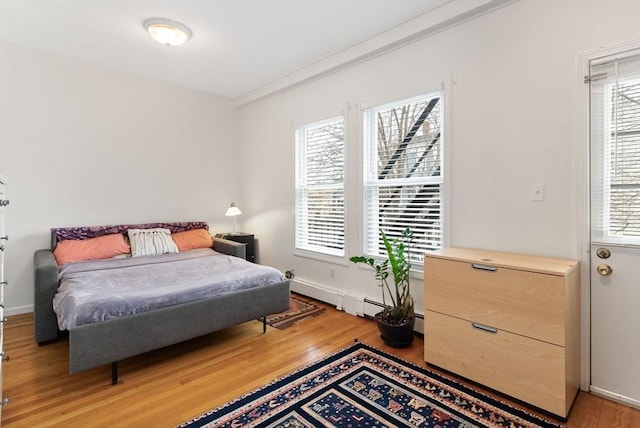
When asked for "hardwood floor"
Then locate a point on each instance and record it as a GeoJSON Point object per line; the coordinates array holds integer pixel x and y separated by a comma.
{"type": "Point", "coordinates": [167, 387]}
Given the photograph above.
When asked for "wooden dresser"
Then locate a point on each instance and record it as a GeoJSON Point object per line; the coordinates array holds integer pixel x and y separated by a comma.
{"type": "Point", "coordinates": [507, 321]}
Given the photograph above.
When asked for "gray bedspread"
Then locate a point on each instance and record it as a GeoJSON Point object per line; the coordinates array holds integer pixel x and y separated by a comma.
{"type": "Point", "coordinates": [94, 291]}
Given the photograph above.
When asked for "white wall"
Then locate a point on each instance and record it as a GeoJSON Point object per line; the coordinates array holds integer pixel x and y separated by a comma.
{"type": "Point", "coordinates": [513, 91]}
{"type": "Point", "coordinates": [85, 146]}
{"type": "Point", "coordinates": [82, 145]}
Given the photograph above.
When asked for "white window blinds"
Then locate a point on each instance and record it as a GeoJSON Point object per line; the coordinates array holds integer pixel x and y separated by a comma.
{"type": "Point", "coordinates": [320, 187]}
{"type": "Point", "coordinates": [615, 148]}
{"type": "Point", "coordinates": [403, 173]}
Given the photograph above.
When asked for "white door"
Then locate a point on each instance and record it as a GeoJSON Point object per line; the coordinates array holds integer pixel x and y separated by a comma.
{"type": "Point", "coordinates": [615, 227]}
{"type": "Point", "coordinates": [615, 324]}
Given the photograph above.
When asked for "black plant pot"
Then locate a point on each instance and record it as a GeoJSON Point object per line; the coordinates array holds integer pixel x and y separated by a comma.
{"type": "Point", "coordinates": [395, 335]}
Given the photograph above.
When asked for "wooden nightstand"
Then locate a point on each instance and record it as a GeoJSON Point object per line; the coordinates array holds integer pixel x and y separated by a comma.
{"type": "Point", "coordinates": [244, 238]}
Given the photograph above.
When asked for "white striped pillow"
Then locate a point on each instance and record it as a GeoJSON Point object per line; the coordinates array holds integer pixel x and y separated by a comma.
{"type": "Point", "coordinates": [151, 242]}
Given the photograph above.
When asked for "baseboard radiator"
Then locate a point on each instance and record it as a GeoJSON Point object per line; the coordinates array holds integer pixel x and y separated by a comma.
{"type": "Point", "coordinates": [380, 305]}
{"type": "Point", "coordinates": [353, 305]}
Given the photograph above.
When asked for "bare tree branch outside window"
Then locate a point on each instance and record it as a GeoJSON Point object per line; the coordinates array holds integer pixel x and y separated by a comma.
{"type": "Point", "coordinates": [405, 191]}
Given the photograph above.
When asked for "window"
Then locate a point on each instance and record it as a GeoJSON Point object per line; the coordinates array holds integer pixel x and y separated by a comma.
{"type": "Point", "coordinates": [320, 187]}
{"type": "Point", "coordinates": [615, 146]}
{"type": "Point", "coordinates": [403, 173]}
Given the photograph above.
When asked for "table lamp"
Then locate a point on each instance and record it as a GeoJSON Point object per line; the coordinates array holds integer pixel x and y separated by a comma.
{"type": "Point", "coordinates": [234, 212]}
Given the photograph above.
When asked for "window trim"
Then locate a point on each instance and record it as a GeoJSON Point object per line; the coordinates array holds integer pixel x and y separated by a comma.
{"type": "Point", "coordinates": [310, 251]}
{"type": "Point", "coordinates": [398, 99]}
{"type": "Point", "coordinates": [600, 146]}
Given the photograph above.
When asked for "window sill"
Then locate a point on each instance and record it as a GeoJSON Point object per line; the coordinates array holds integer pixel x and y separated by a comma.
{"type": "Point", "coordinates": [327, 258]}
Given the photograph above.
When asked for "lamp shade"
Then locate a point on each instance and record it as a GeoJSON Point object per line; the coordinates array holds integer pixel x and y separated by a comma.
{"type": "Point", "coordinates": [233, 210]}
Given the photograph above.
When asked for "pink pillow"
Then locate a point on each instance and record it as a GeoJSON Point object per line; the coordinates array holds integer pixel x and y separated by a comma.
{"type": "Point", "coordinates": [191, 239]}
{"type": "Point", "coordinates": [102, 247]}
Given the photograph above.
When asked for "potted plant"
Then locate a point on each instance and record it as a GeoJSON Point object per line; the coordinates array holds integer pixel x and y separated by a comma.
{"type": "Point", "coordinates": [397, 318]}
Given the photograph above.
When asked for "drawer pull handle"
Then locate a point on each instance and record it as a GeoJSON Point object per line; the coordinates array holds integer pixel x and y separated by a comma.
{"type": "Point", "coordinates": [483, 327]}
{"type": "Point", "coordinates": [484, 267]}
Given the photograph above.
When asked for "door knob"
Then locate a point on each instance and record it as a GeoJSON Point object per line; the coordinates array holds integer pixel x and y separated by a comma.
{"type": "Point", "coordinates": [603, 253]}
{"type": "Point", "coordinates": [604, 270]}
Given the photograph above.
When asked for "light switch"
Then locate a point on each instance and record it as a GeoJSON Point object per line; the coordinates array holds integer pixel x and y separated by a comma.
{"type": "Point", "coordinates": [537, 192]}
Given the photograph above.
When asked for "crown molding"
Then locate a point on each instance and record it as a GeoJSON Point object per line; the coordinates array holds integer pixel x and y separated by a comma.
{"type": "Point", "coordinates": [446, 15]}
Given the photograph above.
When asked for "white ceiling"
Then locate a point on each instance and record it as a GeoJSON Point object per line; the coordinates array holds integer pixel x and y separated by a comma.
{"type": "Point", "coordinates": [239, 48]}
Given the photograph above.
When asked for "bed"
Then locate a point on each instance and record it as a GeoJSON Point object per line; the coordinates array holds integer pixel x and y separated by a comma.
{"type": "Point", "coordinates": [109, 335]}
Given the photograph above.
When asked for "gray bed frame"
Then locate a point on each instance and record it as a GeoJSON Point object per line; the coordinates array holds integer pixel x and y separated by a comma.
{"type": "Point", "coordinates": [96, 344]}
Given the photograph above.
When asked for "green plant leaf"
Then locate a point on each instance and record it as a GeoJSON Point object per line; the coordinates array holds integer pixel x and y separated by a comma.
{"type": "Point", "coordinates": [402, 303]}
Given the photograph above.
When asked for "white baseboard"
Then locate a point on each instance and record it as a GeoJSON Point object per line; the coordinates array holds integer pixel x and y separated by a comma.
{"type": "Point", "coordinates": [318, 292]}
{"type": "Point", "coordinates": [351, 304]}
{"type": "Point", "coordinates": [17, 310]}
{"type": "Point", "coordinates": [615, 397]}
{"type": "Point", "coordinates": [348, 303]}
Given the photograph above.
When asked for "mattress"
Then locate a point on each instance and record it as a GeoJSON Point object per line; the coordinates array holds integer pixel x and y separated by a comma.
{"type": "Point", "coordinates": [99, 290]}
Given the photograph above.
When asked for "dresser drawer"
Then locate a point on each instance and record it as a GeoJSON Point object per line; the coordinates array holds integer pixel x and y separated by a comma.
{"type": "Point", "coordinates": [527, 303]}
{"type": "Point", "coordinates": [518, 366]}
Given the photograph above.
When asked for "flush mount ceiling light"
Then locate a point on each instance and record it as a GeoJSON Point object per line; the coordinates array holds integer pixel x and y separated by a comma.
{"type": "Point", "coordinates": [167, 31]}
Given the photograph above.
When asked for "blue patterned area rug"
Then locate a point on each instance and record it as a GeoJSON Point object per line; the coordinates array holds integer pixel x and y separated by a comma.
{"type": "Point", "coordinates": [364, 387]}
